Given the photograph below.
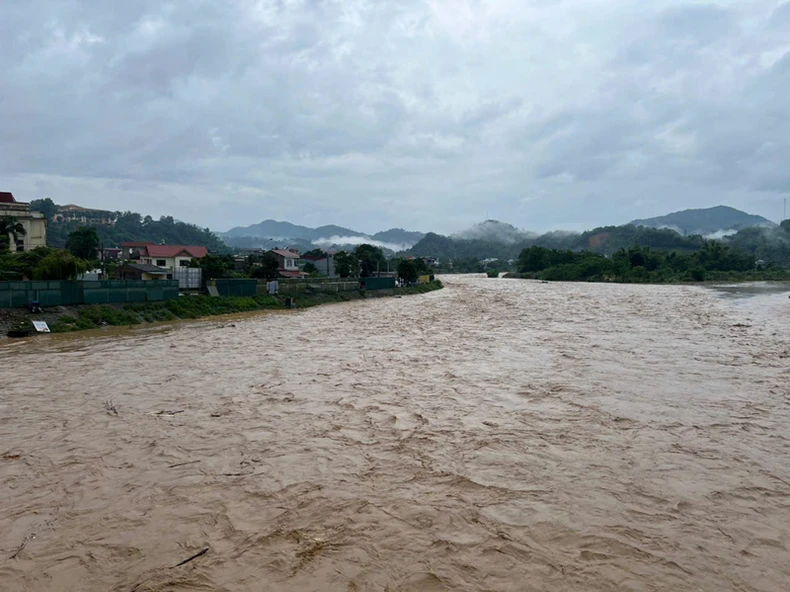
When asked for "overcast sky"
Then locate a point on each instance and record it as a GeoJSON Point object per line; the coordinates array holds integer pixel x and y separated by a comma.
{"type": "Point", "coordinates": [425, 114]}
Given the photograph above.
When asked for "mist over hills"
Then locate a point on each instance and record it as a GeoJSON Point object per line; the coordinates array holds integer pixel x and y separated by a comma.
{"type": "Point", "coordinates": [276, 229]}
{"type": "Point", "coordinates": [682, 231]}
{"type": "Point", "coordinates": [268, 231]}
{"type": "Point", "coordinates": [706, 221]}
{"type": "Point", "coordinates": [494, 231]}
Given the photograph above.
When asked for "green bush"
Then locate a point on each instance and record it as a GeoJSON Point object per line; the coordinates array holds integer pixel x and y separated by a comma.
{"type": "Point", "coordinates": [698, 274]}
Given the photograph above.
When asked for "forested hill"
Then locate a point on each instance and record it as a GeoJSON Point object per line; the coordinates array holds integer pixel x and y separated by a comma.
{"type": "Point", "coordinates": [130, 226]}
{"type": "Point", "coordinates": [706, 221]}
{"type": "Point", "coordinates": [605, 240]}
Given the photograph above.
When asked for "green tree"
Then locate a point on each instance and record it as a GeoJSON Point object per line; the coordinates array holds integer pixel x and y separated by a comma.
{"type": "Point", "coordinates": [407, 271]}
{"type": "Point", "coordinates": [269, 268]}
{"type": "Point", "coordinates": [371, 259]}
{"type": "Point", "coordinates": [10, 228]}
{"type": "Point", "coordinates": [346, 264]}
{"type": "Point", "coordinates": [46, 206]}
{"type": "Point", "coordinates": [59, 265]}
{"type": "Point", "coordinates": [698, 274]}
{"type": "Point", "coordinates": [131, 226]}
{"type": "Point", "coordinates": [534, 259]}
{"type": "Point", "coordinates": [250, 263]}
{"type": "Point", "coordinates": [19, 266]}
{"type": "Point", "coordinates": [422, 267]}
{"type": "Point", "coordinates": [310, 268]}
{"type": "Point", "coordinates": [214, 266]}
{"type": "Point", "coordinates": [83, 243]}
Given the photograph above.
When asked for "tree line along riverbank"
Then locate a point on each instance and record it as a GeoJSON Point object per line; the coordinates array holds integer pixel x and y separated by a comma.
{"type": "Point", "coordinates": [714, 262]}
{"type": "Point", "coordinates": [81, 317]}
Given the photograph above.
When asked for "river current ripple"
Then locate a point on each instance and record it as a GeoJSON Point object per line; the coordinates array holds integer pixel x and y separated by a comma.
{"type": "Point", "coordinates": [496, 435]}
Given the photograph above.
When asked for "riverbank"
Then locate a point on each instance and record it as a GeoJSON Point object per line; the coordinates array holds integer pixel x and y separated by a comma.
{"type": "Point", "coordinates": [64, 319]}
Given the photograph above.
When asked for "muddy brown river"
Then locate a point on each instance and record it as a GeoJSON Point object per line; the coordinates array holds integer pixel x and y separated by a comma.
{"type": "Point", "coordinates": [496, 435]}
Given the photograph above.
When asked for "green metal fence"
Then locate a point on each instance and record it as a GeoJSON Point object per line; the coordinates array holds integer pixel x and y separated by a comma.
{"type": "Point", "coordinates": [297, 287]}
{"type": "Point", "coordinates": [379, 283]}
{"type": "Point", "coordinates": [63, 293]}
{"type": "Point", "coordinates": [236, 287]}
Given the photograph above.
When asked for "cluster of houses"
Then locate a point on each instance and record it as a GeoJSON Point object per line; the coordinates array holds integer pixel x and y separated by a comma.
{"type": "Point", "coordinates": [290, 262]}
{"type": "Point", "coordinates": [148, 260]}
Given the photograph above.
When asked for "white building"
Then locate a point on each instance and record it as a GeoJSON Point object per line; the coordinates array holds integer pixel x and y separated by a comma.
{"type": "Point", "coordinates": [34, 223]}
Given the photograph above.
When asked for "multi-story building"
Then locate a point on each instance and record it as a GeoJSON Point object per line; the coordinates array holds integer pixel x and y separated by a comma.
{"type": "Point", "coordinates": [34, 223]}
{"type": "Point", "coordinates": [72, 212]}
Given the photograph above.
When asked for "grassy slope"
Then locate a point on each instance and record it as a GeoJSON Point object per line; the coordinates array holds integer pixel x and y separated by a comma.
{"type": "Point", "coordinates": [194, 307]}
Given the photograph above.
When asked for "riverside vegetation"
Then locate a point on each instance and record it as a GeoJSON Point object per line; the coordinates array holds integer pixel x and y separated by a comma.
{"type": "Point", "coordinates": [194, 307]}
{"type": "Point", "coordinates": [715, 261]}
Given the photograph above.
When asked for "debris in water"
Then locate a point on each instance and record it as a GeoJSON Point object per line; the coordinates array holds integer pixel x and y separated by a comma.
{"type": "Point", "coordinates": [195, 556]}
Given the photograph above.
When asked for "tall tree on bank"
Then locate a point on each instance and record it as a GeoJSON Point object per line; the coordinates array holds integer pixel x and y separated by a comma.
{"type": "Point", "coordinates": [214, 266]}
{"type": "Point", "coordinates": [83, 243]}
{"type": "Point", "coordinates": [10, 229]}
{"type": "Point", "coordinates": [407, 271]}
{"type": "Point", "coordinates": [46, 206]}
{"type": "Point", "coordinates": [269, 268]}
{"type": "Point", "coordinates": [371, 260]}
{"type": "Point", "coordinates": [346, 264]}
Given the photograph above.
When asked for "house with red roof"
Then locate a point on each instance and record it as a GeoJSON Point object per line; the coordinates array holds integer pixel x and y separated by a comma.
{"type": "Point", "coordinates": [170, 256]}
{"type": "Point", "coordinates": [288, 263]}
{"type": "Point", "coordinates": [130, 248]}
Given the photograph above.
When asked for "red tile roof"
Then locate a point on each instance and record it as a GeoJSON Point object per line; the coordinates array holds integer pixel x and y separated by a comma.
{"type": "Point", "coordinates": [286, 254]}
{"type": "Point", "coordinates": [176, 250]}
{"type": "Point", "coordinates": [7, 197]}
{"type": "Point", "coordinates": [291, 274]}
{"type": "Point", "coordinates": [135, 244]}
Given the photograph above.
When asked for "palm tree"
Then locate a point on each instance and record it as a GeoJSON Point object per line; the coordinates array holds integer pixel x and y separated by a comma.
{"type": "Point", "coordinates": [10, 227]}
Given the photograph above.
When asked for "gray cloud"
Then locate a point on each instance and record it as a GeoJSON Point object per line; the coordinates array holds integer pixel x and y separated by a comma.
{"type": "Point", "coordinates": [419, 113]}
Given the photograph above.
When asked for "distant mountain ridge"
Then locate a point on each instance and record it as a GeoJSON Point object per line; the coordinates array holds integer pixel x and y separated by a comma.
{"type": "Point", "coordinates": [277, 229]}
{"type": "Point", "coordinates": [398, 235]}
{"type": "Point", "coordinates": [493, 231]}
{"type": "Point", "coordinates": [705, 221]}
{"type": "Point", "coordinates": [503, 240]}
{"type": "Point", "coordinates": [682, 232]}
{"type": "Point", "coordinates": [323, 235]}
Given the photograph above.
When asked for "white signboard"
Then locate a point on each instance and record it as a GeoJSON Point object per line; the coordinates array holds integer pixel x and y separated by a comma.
{"type": "Point", "coordinates": [41, 326]}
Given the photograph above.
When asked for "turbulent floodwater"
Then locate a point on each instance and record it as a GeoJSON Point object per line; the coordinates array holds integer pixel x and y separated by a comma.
{"type": "Point", "coordinates": [495, 435]}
